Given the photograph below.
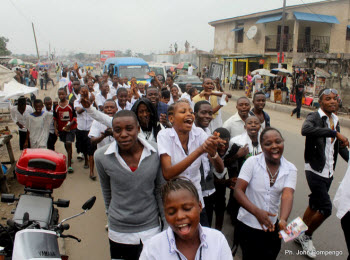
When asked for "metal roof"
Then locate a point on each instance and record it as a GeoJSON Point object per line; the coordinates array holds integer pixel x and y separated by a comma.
{"type": "Point", "coordinates": [270, 19]}
{"type": "Point", "coordinates": [320, 18]}
{"type": "Point", "coordinates": [237, 29]}
{"type": "Point", "coordinates": [126, 61]}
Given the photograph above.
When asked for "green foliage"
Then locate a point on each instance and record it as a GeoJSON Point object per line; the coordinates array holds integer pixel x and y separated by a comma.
{"type": "Point", "coordinates": [3, 50]}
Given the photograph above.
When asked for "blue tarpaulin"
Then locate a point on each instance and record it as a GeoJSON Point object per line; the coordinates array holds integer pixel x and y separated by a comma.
{"type": "Point", "coordinates": [237, 29]}
{"type": "Point", "coordinates": [270, 19]}
{"type": "Point", "coordinates": [320, 18]}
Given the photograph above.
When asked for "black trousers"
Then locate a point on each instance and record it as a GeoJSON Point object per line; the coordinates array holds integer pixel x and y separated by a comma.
{"type": "Point", "coordinates": [123, 251]}
{"type": "Point", "coordinates": [51, 141]}
{"type": "Point", "coordinates": [22, 139]}
{"type": "Point", "coordinates": [345, 224]}
{"type": "Point", "coordinates": [256, 243]}
{"type": "Point", "coordinates": [209, 207]}
{"type": "Point", "coordinates": [297, 109]}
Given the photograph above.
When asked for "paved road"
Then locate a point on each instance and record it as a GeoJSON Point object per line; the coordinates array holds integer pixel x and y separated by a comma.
{"type": "Point", "coordinates": [78, 188]}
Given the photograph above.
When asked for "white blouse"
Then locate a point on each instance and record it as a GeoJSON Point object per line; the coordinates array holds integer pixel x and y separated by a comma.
{"type": "Point", "coordinates": [259, 191]}
{"type": "Point", "coordinates": [169, 143]}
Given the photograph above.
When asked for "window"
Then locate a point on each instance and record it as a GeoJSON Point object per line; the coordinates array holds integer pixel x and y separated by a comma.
{"type": "Point", "coordinates": [239, 36]}
{"type": "Point", "coordinates": [348, 33]}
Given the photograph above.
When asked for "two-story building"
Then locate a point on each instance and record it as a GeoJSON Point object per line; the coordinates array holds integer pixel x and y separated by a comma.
{"type": "Point", "coordinates": [314, 35]}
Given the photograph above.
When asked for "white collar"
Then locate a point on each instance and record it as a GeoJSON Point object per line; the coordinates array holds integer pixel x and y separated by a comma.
{"type": "Point", "coordinates": [113, 147]}
{"type": "Point", "coordinates": [322, 114]}
{"type": "Point", "coordinates": [285, 166]}
{"type": "Point", "coordinates": [172, 242]}
{"type": "Point", "coordinates": [237, 117]}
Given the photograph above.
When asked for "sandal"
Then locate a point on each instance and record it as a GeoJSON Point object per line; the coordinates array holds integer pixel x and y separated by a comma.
{"type": "Point", "coordinates": [70, 170]}
{"type": "Point", "coordinates": [86, 166]}
{"type": "Point", "coordinates": [93, 178]}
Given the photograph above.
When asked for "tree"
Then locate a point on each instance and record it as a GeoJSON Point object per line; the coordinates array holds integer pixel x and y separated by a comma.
{"type": "Point", "coordinates": [128, 53]}
{"type": "Point", "coordinates": [3, 49]}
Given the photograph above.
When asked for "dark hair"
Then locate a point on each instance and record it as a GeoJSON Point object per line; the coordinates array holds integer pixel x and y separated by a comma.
{"type": "Point", "coordinates": [268, 129]}
{"type": "Point", "coordinates": [240, 98]}
{"type": "Point", "coordinates": [21, 101]}
{"type": "Point", "coordinates": [258, 93]}
{"type": "Point", "coordinates": [165, 93]}
{"type": "Point", "coordinates": [224, 133]}
{"type": "Point", "coordinates": [63, 88]}
{"type": "Point", "coordinates": [171, 77]}
{"type": "Point", "coordinates": [176, 184]}
{"type": "Point", "coordinates": [150, 88]}
{"type": "Point", "coordinates": [47, 99]}
{"type": "Point", "coordinates": [125, 113]}
{"type": "Point", "coordinates": [110, 100]}
{"type": "Point", "coordinates": [38, 101]}
{"type": "Point", "coordinates": [121, 90]}
{"type": "Point", "coordinates": [151, 109]}
{"type": "Point", "coordinates": [171, 109]}
{"type": "Point", "coordinates": [173, 86]}
{"type": "Point", "coordinates": [64, 74]}
{"type": "Point", "coordinates": [191, 91]}
{"type": "Point", "coordinates": [197, 106]}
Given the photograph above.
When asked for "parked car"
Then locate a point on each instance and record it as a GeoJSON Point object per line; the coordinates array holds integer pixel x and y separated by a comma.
{"type": "Point", "coordinates": [183, 80]}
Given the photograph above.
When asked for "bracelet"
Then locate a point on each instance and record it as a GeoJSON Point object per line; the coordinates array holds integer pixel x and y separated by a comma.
{"type": "Point", "coordinates": [215, 156]}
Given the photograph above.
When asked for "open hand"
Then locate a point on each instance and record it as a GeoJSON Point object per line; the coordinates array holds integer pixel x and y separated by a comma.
{"type": "Point", "coordinates": [243, 151]}
{"type": "Point", "coordinates": [264, 220]}
{"type": "Point", "coordinates": [84, 98]}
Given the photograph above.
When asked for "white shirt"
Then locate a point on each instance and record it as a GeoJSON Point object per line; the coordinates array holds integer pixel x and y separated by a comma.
{"type": "Point", "coordinates": [213, 246]}
{"type": "Point", "coordinates": [16, 116]}
{"type": "Point", "coordinates": [38, 127]}
{"type": "Point", "coordinates": [126, 85]}
{"type": "Point", "coordinates": [97, 88]}
{"type": "Point", "coordinates": [84, 121]}
{"type": "Point", "coordinates": [259, 191]}
{"type": "Point", "coordinates": [100, 99]}
{"type": "Point", "coordinates": [95, 131]}
{"type": "Point", "coordinates": [342, 197]}
{"type": "Point", "coordinates": [235, 125]}
{"type": "Point", "coordinates": [128, 105]}
{"type": "Point", "coordinates": [244, 139]}
{"type": "Point", "coordinates": [169, 143]}
{"type": "Point", "coordinates": [112, 90]}
{"type": "Point", "coordinates": [327, 171]}
{"type": "Point", "coordinates": [190, 70]}
{"type": "Point", "coordinates": [206, 167]}
{"type": "Point", "coordinates": [52, 125]}
{"type": "Point", "coordinates": [131, 238]}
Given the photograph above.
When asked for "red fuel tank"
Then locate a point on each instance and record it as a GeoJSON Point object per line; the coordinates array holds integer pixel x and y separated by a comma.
{"type": "Point", "coordinates": [41, 169]}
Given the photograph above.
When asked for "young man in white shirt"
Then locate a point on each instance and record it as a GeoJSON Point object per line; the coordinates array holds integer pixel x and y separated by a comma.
{"type": "Point", "coordinates": [322, 145]}
{"type": "Point", "coordinates": [103, 95]}
{"type": "Point", "coordinates": [19, 115]}
{"type": "Point", "coordinates": [52, 136]}
{"type": "Point", "coordinates": [190, 70]}
{"type": "Point", "coordinates": [235, 124]}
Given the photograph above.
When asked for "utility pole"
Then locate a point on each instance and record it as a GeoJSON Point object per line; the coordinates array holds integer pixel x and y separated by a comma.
{"type": "Point", "coordinates": [49, 56]}
{"type": "Point", "coordinates": [36, 44]}
{"type": "Point", "coordinates": [282, 34]}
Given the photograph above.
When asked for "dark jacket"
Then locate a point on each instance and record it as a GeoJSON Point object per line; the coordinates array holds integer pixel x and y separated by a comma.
{"type": "Point", "coordinates": [266, 117]}
{"type": "Point", "coordinates": [316, 131]}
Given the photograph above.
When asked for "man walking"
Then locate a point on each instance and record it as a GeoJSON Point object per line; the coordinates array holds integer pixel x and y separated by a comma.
{"type": "Point", "coordinates": [322, 145]}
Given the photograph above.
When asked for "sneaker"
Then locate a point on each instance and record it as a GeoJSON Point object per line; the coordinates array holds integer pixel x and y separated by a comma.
{"type": "Point", "coordinates": [70, 170]}
{"type": "Point", "coordinates": [80, 156]}
{"type": "Point", "coordinates": [306, 243]}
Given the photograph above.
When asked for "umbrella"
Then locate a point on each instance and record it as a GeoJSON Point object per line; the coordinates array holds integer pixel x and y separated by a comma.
{"type": "Point", "coordinates": [184, 65]}
{"type": "Point", "coordinates": [281, 72]}
{"type": "Point", "coordinates": [16, 62]}
{"type": "Point", "coordinates": [263, 72]}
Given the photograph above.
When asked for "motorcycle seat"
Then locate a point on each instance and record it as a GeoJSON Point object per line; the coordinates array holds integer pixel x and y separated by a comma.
{"type": "Point", "coordinates": [39, 209]}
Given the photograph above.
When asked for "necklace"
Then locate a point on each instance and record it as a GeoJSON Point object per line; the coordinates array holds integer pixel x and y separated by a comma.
{"type": "Point", "coordinates": [272, 176]}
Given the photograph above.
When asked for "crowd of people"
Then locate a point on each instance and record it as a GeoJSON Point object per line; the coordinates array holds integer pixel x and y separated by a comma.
{"type": "Point", "coordinates": [165, 160]}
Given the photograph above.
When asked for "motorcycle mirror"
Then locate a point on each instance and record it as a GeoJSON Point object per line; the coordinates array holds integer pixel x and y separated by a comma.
{"type": "Point", "coordinates": [89, 203]}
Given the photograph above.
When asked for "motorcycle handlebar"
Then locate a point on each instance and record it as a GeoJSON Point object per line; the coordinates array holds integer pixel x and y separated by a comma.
{"type": "Point", "coordinates": [71, 236]}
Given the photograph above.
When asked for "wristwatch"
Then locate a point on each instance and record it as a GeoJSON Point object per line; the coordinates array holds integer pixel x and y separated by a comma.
{"type": "Point", "coordinates": [215, 156]}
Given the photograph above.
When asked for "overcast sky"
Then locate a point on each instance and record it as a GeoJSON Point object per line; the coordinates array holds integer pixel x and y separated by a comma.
{"type": "Point", "coordinates": [140, 25]}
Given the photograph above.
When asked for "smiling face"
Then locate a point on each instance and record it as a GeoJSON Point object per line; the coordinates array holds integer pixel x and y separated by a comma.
{"type": "Point", "coordinates": [174, 92]}
{"type": "Point", "coordinates": [272, 146]}
{"type": "Point", "coordinates": [182, 212]}
{"type": "Point", "coordinates": [329, 102]}
{"type": "Point", "coordinates": [110, 108]}
{"type": "Point", "coordinates": [204, 115]}
{"type": "Point", "coordinates": [125, 131]}
{"type": "Point", "coordinates": [259, 102]}
{"type": "Point", "coordinates": [252, 125]}
{"type": "Point", "coordinates": [153, 96]}
{"type": "Point", "coordinates": [122, 98]}
{"type": "Point", "coordinates": [183, 117]}
{"type": "Point", "coordinates": [243, 107]}
{"type": "Point", "coordinates": [144, 115]}
{"type": "Point", "coordinates": [38, 107]}
{"type": "Point", "coordinates": [208, 85]}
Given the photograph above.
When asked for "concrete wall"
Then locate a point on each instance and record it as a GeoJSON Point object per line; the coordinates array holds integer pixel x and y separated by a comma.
{"type": "Point", "coordinates": [224, 41]}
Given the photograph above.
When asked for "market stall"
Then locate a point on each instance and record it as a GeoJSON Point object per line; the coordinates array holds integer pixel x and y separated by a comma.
{"type": "Point", "coordinates": [5, 141]}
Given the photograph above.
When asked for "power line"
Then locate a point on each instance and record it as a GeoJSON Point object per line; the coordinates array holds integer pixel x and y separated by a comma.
{"type": "Point", "coordinates": [311, 10]}
{"type": "Point", "coordinates": [20, 12]}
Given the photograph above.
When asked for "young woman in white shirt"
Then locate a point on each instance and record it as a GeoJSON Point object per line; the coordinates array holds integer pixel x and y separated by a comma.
{"type": "Point", "coordinates": [266, 183]}
{"type": "Point", "coordinates": [181, 147]}
{"type": "Point", "coordinates": [185, 238]}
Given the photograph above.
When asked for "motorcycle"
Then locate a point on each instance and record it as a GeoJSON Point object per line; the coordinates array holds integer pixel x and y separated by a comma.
{"type": "Point", "coordinates": [34, 228]}
{"type": "Point", "coordinates": [30, 240]}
